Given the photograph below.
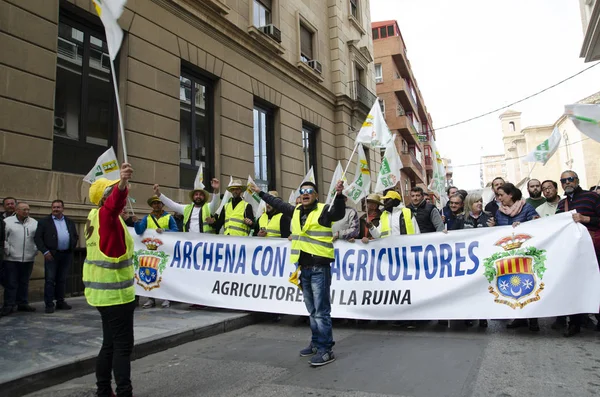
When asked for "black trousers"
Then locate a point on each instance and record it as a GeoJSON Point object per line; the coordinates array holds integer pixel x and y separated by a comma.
{"type": "Point", "coordinates": [56, 272]}
{"type": "Point", "coordinates": [115, 354]}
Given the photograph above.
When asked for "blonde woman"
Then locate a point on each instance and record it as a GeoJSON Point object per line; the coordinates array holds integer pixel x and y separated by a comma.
{"type": "Point", "coordinates": [474, 215]}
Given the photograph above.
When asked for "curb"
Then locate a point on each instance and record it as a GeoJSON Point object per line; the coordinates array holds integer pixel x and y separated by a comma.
{"type": "Point", "coordinates": [87, 364]}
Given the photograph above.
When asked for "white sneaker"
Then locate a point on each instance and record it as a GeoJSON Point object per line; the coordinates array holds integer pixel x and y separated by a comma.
{"type": "Point", "coordinates": [149, 303]}
{"type": "Point", "coordinates": [166, 304]}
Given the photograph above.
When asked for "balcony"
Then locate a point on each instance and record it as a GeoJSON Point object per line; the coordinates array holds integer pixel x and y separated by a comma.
{"type": "Point", "coordinates": [361, 94]}
{"type": "Point", "coordinates": [412, 166]}
{"type": "Point", "coordinates": [405, 127]}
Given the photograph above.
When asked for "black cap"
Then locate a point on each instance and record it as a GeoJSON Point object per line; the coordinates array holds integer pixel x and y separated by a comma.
{"type": "Point", "coordinates": [310, 184]}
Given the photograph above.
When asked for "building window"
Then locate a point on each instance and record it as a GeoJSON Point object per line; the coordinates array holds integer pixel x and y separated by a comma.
{"type": "Point", "coordinates": [382, 106]}
{"type": "Point", "coordinates": [264, 160]}
{"type": "Point", "coordinates": [511, 126]}
{"type": "Point", "coordinates": [306, 44]}
{"type": "Point", "coordinates": [354, 8]}
{"type": "Point", "coordinates": [378, 73]}
{"type": "Point", "coordinates": [309, 148]}
{"type": "Point", "coordinates": [390, 31]}
{"type": "Point", "coordinates": [195, 128]}
{"type": "Point", "coordinates": [375, 33]}
{"type": "Point", "coordinates": [399, 109]}
{"type": "Point", "coordinates": [84, 111]}
{"type": "Point", "coordinates": [404, 146]}
{"type": "Point", "coordinates": [262, 13]}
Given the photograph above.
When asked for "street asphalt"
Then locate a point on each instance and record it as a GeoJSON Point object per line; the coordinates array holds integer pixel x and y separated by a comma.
{"type": "Point", "coordinates": [372, 360]}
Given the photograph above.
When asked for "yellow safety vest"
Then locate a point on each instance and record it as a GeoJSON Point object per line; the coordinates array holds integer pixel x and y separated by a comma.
{"type": "Point", "coordinates": [313, 238]}
{"type": "Point", "coordinates": [272, 226]}
{"type": "Point", "coordinates": [108, 281]}
{"type": "Point", "coordinates": [205, 213]}
{"type": "Point", "coordinates": [386, 227]}
{"type": "Point", "coordinates": [163, 222]}
{"type": "Point", "coordinates": [234, 220]}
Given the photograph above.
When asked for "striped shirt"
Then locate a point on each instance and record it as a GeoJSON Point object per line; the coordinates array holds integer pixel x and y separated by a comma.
{"type": "Point", "coordinates": [586, 203]}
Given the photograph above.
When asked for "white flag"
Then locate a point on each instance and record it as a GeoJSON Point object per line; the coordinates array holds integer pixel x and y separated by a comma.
{"type": "Point", "coordinates": [337, 176]}
{"type": "Point", "coordinates": [309, 177]}
{"type": "Point", "coordinates": [438, 182]}
{"type": "Point", "coordinates": [292, 198]}
{"type": "Point", "coordinates": [226, 197]}
{"type": "Point", "coordinates": [361, 186]}
{"type": "Point", "coordinates": [544, 150]}
{"type": "Point", "coordinates": [109, 12]}
{"type": "Point", "coordinates": [389, 173]}
{"type": "Point", "coordinates": [586, 118]}
{"type": "Point", "coordinates": [199, 178]}
{"type": "Point", "coordinates": [251, 197]}
{"type": "Point", "coordinates": [374, 131]}
{"type": "Point", "coordinates": [106, 167]}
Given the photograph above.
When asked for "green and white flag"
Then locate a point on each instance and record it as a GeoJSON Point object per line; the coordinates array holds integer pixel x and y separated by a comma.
{"type": "Point", "coordinates": [374, 131]}
{"type": "Point", "coordinates": [389, 173]}
{"type": "Point", "coordinates": [106, 167]}
{"type": "Point", "coordinates": [337, 176]}
{"type": "Point", "coordinates": [251, 197]}
{"type": "Point", "coordinates": [586, 118]}
{"type": "Point", "coordinates": [361, 186]}
{"type": "Point", "coordinates": [545, 150]}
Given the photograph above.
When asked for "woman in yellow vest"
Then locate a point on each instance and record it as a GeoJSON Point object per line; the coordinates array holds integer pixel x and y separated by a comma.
{"type": "Point", "coordinates": [395, 219]}
{"type": "Point", "coordinates": [237, 217]}
{"type": "Point", "coordinates": [109, 283]}
{"type": "Point", "coordinates": [312, 249]}
{"type": "Point", "coordinates": [161, 221]}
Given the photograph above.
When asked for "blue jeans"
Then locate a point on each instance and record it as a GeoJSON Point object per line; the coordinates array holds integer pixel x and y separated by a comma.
{"type": "Point", "coordinates": [316, 283]}
{"type": "Point", "coordinates": [16, 282]}
{"type": "Point", "coordinates": [56, 272]}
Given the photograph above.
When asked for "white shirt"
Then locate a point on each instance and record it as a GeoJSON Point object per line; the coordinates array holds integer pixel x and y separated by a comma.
{"type": "Point", "coordinates": [547, 208]}
{"type": "Point", "coordinates": [196, 211]}
{"type": "Point", "coordinates": [395, 223]}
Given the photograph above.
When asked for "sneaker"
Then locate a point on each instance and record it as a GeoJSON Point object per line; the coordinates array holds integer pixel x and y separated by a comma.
{"type": "Point", "coordinates": [63, 306]}
{"type": "Point", "coordinates": [49, 309]}
{"type": "Point", "coordinates": [149, 303]}
{"type": "Point", "coordinates": [308, 351]}
{"type": "Point", "coordinates": [322, 358]}
{"type": "Point", "coordinates": [26, 308]}
{"type": "Point", "coordinates": [166, 304]}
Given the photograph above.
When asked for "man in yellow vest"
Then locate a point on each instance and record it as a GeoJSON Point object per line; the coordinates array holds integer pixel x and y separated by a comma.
{"type": "Point", "coordinates": [273, 223]}
{"type": "Point", "coordinates": [196, 215]}
{"type": "Point", "coordinates": [395, 219]}
{"type": "Point", "coordinates": [108, 279]}
{"type": "Point", "coordinates": [312, 249]}
{"type": "Point", "coordinates": [237, 217]}
{"type": "Point", "coordinates": [161, 221]}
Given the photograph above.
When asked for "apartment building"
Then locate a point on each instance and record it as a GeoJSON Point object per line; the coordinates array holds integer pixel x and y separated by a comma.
{"type": "Point", "coordinates": [403, 105]}
{"type": "Point", "coordinates": [261, 87]}
{"type": "Point", "coordinates": [492, 166]}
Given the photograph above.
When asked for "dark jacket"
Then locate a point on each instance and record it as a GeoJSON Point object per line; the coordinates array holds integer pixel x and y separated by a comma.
{"type": "Point", "coordinates": [46, 236]}
{"type": "Point", "coordinates": [527, 213]}
{"type": "Point", "coordinates": [425, 213]}
{"type": "Point", "coordinates": [586, 203]}
{"type": "Point", "coordinates": [338, 211]}
{"type": "Point", "coordinates": [492, 207]}
{"type": "Point", "coordinates": [468, 222]}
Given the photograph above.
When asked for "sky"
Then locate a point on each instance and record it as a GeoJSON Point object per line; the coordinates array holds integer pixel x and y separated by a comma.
{"type": "Point", "coordinates": [473, 56]}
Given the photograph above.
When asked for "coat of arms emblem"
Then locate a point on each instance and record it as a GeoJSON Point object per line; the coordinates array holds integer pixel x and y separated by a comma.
{"type": "Point", "coordinates": [517, 272]}
{"type": "Point", "coordinates": [150, 264]}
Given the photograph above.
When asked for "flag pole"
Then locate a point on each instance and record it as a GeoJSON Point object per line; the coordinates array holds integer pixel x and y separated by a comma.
{"type": "Point", "coordinates": [349, 160]}
{"type": "Point", "coordinates": [119, 114]}
{"type": "Point", "coordinates": [121, 128]}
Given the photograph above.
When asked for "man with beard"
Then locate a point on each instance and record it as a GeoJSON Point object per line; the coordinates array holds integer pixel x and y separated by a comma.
{"type": "Point", "coordinates": [428, 217]}
{"type": "Point", "coordinates": [492, 206]}
{"type": "Point", "coordinates": [587, 205]}
{"type": "Point", "coordinates": [196, 216]}
{"type": "Point", "coordinates": [550, 191]}
{"type": "Point", "coordinates": [395, 219]}
{"type": "Point", "coordinates": [237, 217]}
{"type": "Point", "coordinates": [534, 187]}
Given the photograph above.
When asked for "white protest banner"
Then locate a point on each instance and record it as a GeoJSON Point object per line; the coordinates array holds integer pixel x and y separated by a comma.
{"type": "Point", "coordinates": [361, 186]}
{"type": "Point", "coordinates": [544, 150]}
{"type": "Point", "coordinates": [493, 273]}
{"type": "Point", "coordinates": [106, 167]}
{"type": "Point", "coordinates": [586, 118]}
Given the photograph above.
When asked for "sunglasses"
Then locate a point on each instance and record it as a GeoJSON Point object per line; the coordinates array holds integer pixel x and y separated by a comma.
{"type": "Point", "coordinates": [568, 179]}
{"type": "Point", "coordinates": [308, 190]}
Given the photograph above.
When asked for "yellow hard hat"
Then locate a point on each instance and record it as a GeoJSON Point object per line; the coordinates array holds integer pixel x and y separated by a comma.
{"type": "Point", "coordinates": [98, 187]}
{"type": "Point", "coordinates": [392, 194]}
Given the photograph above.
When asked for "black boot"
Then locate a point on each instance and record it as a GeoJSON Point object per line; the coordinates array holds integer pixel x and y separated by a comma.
{"type": "Point", "coordinates": [517, 323]}
{"type": "Point", "coordinates": [533, 325]}
{"type": "Point", "coordinates": [572, 330]}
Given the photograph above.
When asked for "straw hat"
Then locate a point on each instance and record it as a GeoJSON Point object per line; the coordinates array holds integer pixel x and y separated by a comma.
{"type": "Point", "coordinates": [236, 183]}
{"type": "Point", "coordinates": [154, 199]}
{"type": "Point", "coordinates": [374, 197]}
{"type": "Point", "coordinates": [206, 194]}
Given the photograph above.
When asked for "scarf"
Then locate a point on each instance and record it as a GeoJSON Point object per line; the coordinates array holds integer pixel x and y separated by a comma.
{"type": "Point", "coordinates": [513, 210]}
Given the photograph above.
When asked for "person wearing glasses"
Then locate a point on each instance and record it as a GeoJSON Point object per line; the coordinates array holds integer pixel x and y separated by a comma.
{"type": "Point", "coordinates": [550, 191]}
{"type": "Point", "coordinates": [587, 205]}
{"type": "Point", "coordinates": [312, 249]}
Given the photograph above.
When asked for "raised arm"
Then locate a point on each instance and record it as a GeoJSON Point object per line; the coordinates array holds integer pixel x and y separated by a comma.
{"type": "Point", "coordinates": [179, 208]}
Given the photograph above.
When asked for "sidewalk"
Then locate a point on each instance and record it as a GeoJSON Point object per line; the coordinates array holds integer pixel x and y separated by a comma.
{"type": "Point", "coordinates": [39, 350]}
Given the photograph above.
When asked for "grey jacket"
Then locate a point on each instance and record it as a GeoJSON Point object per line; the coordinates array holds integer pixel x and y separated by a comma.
{"type": "Point", "coordinates": [18, 239]}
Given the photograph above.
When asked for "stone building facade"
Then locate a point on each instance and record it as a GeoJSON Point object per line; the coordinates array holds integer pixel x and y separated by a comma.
{"type": "Point", "coordinates": [260, 87]}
